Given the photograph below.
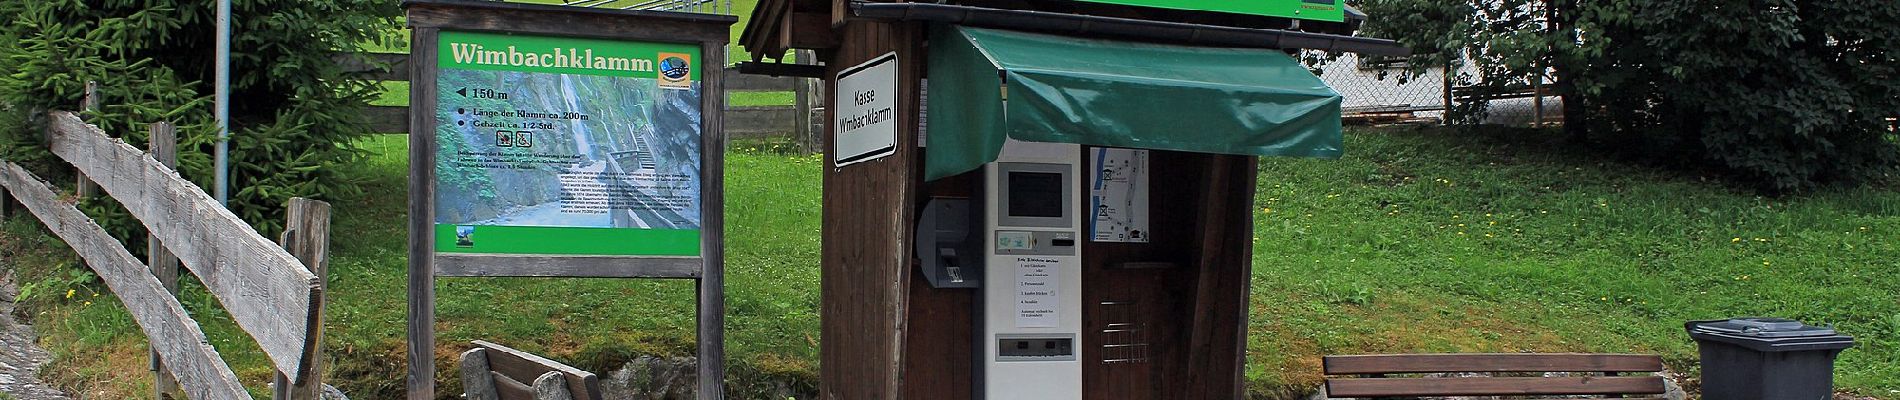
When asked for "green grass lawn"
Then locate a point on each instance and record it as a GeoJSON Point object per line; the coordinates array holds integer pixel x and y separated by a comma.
{"type": "Point", "coordinates": [1415, 241]}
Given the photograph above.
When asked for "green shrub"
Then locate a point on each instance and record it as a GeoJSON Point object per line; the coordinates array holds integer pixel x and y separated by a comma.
{"type": "Point", "coordinates": [1784, 95]}
{"type": "Point", "coordinates": [293, 113]}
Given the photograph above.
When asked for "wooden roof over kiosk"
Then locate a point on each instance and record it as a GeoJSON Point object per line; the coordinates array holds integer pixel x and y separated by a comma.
{"type": "Point", "coordinates": [887, 334]}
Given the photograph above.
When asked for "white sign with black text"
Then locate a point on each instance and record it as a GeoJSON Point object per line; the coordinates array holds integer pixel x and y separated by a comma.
{"type": "Point", "coordinates": [866, 110]}
{"type": "Point", "coordinates": [1038, 302]}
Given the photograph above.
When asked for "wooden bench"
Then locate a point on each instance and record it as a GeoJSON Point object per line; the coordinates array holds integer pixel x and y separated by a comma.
{"type": "Point", "coordinates": [1508, 375]}
{"type": "Point", "coordinates": [494, 372]}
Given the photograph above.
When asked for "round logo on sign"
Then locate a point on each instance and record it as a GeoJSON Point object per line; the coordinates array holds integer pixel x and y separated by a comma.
{"type": "Point", "coordinates": [674, 68]}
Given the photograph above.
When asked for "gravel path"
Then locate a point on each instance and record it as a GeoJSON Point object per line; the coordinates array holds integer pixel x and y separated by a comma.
{"type": "Point", "coordinates": [20, 358]}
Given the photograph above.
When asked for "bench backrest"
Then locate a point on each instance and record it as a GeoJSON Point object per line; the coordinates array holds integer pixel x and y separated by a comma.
{"type": "Point", "coordinates": [1600, 375]}
{"type": "Point", "coordinates": [495, 372]}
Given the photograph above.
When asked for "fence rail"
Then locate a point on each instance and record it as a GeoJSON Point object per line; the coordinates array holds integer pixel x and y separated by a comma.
{"type": "Point", "coordinates": [741, 121]}
{"type": "Point", "coordinates": [270, 294]}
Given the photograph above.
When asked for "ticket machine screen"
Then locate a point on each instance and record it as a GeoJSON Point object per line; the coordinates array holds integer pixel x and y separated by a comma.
{"type": "Point", "coordinates": [1035, 194]}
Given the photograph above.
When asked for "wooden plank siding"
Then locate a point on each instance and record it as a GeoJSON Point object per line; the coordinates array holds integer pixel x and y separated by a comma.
{"type": "Point", "coordinates": [170, 330]}
{"type": "Point", "coordinates": [268, 292]}
{"type": "Point", "coordinates": [868, 209]}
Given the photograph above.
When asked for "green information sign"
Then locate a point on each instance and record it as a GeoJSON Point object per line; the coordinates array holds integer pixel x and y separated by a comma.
{"type": "Point", "coordinates": [1321, 10]}
{"type": "Point", "coordinates": [566, 146]}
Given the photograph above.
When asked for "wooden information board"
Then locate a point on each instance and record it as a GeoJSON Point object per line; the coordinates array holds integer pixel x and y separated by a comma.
{"type": "Point", "coordinates": [551, 141]}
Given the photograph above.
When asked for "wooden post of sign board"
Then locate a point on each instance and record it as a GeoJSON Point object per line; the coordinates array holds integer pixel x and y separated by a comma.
{"type": "Point", "coordinates": [712, 279]}
{"type": "Point", "coordinates": [162, 143]}
{"type": "Point", "coordinates": [422, 59]}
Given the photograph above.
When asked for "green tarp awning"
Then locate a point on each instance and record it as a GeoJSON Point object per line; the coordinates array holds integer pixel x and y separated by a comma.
{"type": "Point", "coordinates": [1118, 94]}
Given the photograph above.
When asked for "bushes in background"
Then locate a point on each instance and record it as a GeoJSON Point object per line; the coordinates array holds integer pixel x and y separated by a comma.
{"type": "Point", "coordinates": [1784, 95]}
{"type": "Point", "coordinates": [293, 115]}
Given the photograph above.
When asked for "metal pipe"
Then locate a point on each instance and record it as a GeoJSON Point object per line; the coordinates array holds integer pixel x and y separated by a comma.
{"type": "Point", "coordinates": [222, 105]}
{"type": "Point", "coordinates": [1175, 32]}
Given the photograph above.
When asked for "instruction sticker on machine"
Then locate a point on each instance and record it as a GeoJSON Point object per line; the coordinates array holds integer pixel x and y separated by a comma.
{"type": "Point", "coordinates": [1118, 196]}
{"type": "Point", "coordinates": [567, 146]}
{"type": "Point", "coordinates": [1038, 305]}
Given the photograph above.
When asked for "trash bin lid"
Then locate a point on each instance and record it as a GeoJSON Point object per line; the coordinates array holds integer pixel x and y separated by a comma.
{"type": "Point", "coordinates": [1769, 334]}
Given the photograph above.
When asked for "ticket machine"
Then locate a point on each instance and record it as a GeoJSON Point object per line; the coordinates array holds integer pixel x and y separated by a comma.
{"type": "Point", "coordinates": [1032, 305]}
{"type": "Point", "coordinates": [1019, 245]}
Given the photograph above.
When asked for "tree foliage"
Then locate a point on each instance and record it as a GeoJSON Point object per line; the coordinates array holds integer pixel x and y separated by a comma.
{"type": "Point", "coordinates": [293, 116]}
{"type": "Point", "coordinates": [1785, 95]}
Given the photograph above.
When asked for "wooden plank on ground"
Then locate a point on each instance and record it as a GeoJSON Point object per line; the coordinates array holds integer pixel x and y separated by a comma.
{"type": "Point", "coordinates": [266, 290]}
{"type": "Point", "coordinates": [522, 366]}
{"type": "Point", "coordinates": [1430, 363]}
{"type": "Point", "coordinates": [170, 330]}
{"type": "Point", "coordinates": [1493, 386]}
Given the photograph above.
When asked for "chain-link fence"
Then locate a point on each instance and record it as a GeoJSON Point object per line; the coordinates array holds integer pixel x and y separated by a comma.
{"type": "Point", "coordinates": [1373, 93]}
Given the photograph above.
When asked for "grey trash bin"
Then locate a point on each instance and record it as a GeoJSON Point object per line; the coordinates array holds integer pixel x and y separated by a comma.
{"type": "Point", "coordinates": [1767, 359]}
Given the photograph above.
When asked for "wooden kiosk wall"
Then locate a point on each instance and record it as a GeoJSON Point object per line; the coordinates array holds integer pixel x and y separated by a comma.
{"type": "Point", "coordinates": [888, 335]}
{"type": "Point", "coordinates": [868, 209]}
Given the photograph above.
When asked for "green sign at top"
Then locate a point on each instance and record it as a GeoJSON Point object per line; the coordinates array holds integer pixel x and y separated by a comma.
{"type": "Point", "coordinates": [1320, 10]}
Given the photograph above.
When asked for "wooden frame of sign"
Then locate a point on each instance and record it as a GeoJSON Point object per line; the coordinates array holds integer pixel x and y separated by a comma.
{"type": "Point", "coordinates": [707, 34]}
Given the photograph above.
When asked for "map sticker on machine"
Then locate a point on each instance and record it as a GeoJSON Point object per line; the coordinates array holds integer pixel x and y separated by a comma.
{"type": "Point", "coordinates": [567, 146]}
{"type": "Point", "coordinates": [1118, 195]}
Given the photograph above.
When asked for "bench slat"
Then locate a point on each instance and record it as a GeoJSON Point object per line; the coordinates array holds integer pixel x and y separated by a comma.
{"type": "Point", "coordinates": [509, 389]}
{"type": "Point", "coordinates": [1490, 386]}
{"type": "Point", "coordinates": [1505, 362]}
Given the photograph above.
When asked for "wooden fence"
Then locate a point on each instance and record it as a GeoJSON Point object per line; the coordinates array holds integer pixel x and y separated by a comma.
{"type": "Point", "coordinates": [793, 121]}
{"type": "Point", "coordinates": [273, 295]}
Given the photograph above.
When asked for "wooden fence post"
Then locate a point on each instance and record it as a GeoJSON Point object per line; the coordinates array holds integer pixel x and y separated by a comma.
{"type": "Point", "coordinates": [801, 104]}
{"type": "Point", "coordinates": [1537, 100]}
{"type": "Point", "coordinates": [85, 187]}
{"type": "Point", "coordinates": [307, 236]}
{"type": "Point", "coordinates": [1447, 92]}
{"type": "Point", "coordinates": [163, 145]}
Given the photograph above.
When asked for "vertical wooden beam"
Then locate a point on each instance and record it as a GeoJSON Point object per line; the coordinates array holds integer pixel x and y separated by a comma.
{"type": "Point", "coordinates": [85, 187]}
{"type": "Point", "coordinates": [1217, 338]}
{"type": "Point", "coordinates": [422, 92]}
{"type": "Point", "coordinates": [1537, 99]}
{"type": "Point", "coordinates": [162, 143]}
{"type": "Point", "coordinates": [802, 105]}
{"type": "Point", "coordinates": [1447, 91]}
{"type": "Point", "coordinates": [712, 279]}
{"type": "Point", "coordinates": [307, 236]}
{"type": "Point", "coordinates": [868, 216]}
